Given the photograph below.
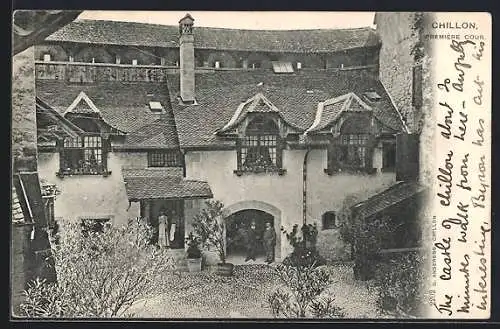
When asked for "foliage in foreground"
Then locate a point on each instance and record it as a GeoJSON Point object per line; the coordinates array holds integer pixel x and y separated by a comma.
{"type": "Point", "coordinates": [100, 274]}
{"type": "Point", "coordinates": [304, 246]}
{"type": "Point", "coordinates": [209, 226]}
{"type": "Point", "coordinates": [302, 293]}
{"type": "Point", "coordinates": [399, 281]}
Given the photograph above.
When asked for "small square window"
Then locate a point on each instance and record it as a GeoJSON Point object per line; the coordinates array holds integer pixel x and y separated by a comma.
{"type": "Point", "coordinates": [217, 64]}
{"type": "Point", "coordinates": [329, 220]}
{"type": "Point", "coordinates": [134, 62]}
{"type": "Point", "coordinates": [46, 58]}
{"type": "Point", "coordinates": [155, 106]}
{"type": "Point", "coordinates": [299, 65]}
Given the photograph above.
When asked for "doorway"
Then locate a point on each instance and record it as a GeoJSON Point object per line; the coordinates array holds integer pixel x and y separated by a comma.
{"type": "Point", "coordinates": [237, 225]}
{"type": "Point", "coordinates": [174, 209]}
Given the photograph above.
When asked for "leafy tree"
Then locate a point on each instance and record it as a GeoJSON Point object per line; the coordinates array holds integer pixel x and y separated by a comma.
{"type": "Point", "coordinates": [209, 226]}
{"type": "Point", "coordinates": [100, 274]}
{"type": "Point", "coordinates": [301, 293]}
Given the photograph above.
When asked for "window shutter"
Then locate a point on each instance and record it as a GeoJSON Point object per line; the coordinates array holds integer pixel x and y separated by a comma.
{"type": "Point", "coordinates": [333, 155]}
{"type": "Point", "coordinates": [280, 145]}
{"type": "Point", "coordinates": [105, 149]}
{"type": "Point", "coordinates": [407, 157]}
{"type": "Point", "coordinates": [238, 153]}
{"type": "Point", "coordinates": [370, 148]}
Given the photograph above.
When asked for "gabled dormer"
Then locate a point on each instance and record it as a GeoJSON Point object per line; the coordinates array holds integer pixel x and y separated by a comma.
{"type": "Point", "coordinates": [353, 132]}
{"type": "Point", "coordinates": [86, 154]}
{"type": "Point", "coordinates": [259, 131]}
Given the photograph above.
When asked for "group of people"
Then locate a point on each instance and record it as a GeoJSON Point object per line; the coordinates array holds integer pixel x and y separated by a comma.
{"type": "Point", "coordinates": [167, 228]}
{"type": "Point", "coordinates": [268, 241]}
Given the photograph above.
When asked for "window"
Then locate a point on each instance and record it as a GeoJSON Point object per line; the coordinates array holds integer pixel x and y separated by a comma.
{"type": "Point", "coordinates": [94, 225]}
{"type": "Point", "coordinates": [217, 64]}
{"type": "Point", "coordinates": [255, 65]}
{"type": "Point", "coordinates": [389, 156]}
{"type": "Point", "coordinates": [417, 86]}
{"type": "Point", "coordinates": [349, 152]}
{"type": "Point", "coordinates": [352, 150]}
{"type": "Point", "coordinates": [260, 149]}
{"type": "Point", "coordinates": [118, 60]}
{"type": "Point", "coordinates": [83, 156]}
{"type": "Point", "coordinates": [134, 62]}
{"type": "Point", "coordinates": [329, 220]}
{"type": "Point", "coordinates": [282, 67]}
{"type": "Point", "coordinates": [46, 57]}
{"type": "Point", "coordinates": [164, 159]}
{"type": "Point", "coordinates": [299, 65]}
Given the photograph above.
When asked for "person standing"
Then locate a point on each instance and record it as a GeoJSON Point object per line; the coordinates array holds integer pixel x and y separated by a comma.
{"type": "Point", "coordinates": [269, 238]}
{"type": "Point", "coordinates": [172, 226]}
{"type": "Point", "coordinates": [251, 242]}
{"type": "Point", "coordinates": [162, 230]}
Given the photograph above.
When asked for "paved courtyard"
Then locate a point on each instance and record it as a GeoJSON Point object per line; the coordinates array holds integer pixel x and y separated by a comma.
{"type": "Point", "coordinates": [206, 294]}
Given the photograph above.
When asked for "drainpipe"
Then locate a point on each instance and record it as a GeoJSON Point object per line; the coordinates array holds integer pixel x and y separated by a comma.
{"type": "Point", "coordinates": [304, 187]}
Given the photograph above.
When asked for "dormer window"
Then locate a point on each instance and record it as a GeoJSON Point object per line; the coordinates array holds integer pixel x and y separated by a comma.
{"type": "Point", "coordinates": [217, 64]}
{"type": "Point", "coordinates": [134, 62]}
{"type": "Point", "coordinates": [299, 65]}
{"type": "Point", "coordinates": [46, 58]}
{"type": "Point", "coordinates": [260, 149]}
{"type": "Point", "coordinates": [282, 67]}
{"type": "Point", "coordinates": [118, 60]}
{"type": "Point", "coordinates": [255, 65]}
{"type": "Point", "coordinates": [351, 150]}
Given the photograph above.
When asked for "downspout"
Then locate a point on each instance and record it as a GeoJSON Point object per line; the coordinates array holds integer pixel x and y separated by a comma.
{"type": "Point", "coordinates": [304, 187]}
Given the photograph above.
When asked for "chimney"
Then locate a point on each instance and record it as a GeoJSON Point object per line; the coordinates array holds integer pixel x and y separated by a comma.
{"type": "Point", "coordinates": [186, 48]}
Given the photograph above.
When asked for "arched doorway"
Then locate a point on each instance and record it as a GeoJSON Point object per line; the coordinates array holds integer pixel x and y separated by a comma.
{"type": "Point", "coordinates": [238, 219]}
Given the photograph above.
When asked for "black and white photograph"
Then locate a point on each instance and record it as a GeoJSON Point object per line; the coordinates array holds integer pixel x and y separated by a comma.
{"type": "Point", "coordinates": [248, 165]}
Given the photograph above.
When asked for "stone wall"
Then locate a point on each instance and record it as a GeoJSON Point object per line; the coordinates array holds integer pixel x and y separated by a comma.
{"type": "Point", "coordinates": [23, 106]}
{"type": "Point", "coordinates": [400, 36]}
{"type": "Point", "coordinates": [20, 271]}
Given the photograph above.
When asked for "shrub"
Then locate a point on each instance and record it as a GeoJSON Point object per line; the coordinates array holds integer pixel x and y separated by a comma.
{"type": "Point", "coordinates": [100, 274]}
{"type": "Point", "coordinates": [193, 242]}
{"type": "Point", "coordinates": [304, 246]}
{"type": "Point", "coordinates": [209, 226]}
{"type": "Point", "coordinates": [301, 293]}
{"type": "Point", "coordinates": [399, 281]}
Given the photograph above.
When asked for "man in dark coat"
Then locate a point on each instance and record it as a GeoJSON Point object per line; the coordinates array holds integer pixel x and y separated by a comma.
{"type": "Point", "coordinates": [269, 238]}
{"type": "Point", "coordinates": [251, 242]}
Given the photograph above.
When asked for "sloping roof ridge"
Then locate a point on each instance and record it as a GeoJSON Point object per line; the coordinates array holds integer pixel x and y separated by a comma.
{"type": "Point", "coordinates": [258, 97]}
{"type": "Point", "coordinates": [400, 116]}
{"type": "Point", "coordinates": [317, 118]}
{"type": "Point", "coordinates": [86, 20]}
{"type": "Point", "coordinates": [82, 96]}
{"type": "Point", "coordinates": [353, 96]}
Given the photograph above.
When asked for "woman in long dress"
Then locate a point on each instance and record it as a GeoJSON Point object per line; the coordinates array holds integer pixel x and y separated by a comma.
{"type": "Point", "coordinates": [162, 228]}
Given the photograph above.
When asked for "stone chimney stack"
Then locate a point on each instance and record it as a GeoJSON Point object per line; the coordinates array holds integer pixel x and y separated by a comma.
{"type": "Point", "coordinates": [186, 49]}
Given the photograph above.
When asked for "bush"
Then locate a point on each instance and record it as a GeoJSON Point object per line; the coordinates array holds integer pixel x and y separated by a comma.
{"type": "Point", "coordinates": [193, 250]}
{"type": "Point", "coordinates": [304, 246]}
{"type": "Point", "coordinates": [100, 274]}
{"type": "Point", "coordinates": [300, 293]}
{"type": "Point", "coordinates": [399, 281]}
{"type": "Point", "coordinates": [209, 226]}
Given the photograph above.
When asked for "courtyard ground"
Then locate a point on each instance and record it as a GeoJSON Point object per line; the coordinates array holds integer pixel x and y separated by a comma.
{"type": "Point", "coordinates": [208, 295]}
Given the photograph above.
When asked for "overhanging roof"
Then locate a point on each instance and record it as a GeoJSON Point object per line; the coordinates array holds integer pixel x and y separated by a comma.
{"type": "Point", "coordinates": [144, 184]}
{"type": "Point", "coordinates": [390, 197]}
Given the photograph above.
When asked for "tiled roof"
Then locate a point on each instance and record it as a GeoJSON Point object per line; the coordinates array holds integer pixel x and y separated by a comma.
{"type": "Point", "coordinates": [154, 35]}
{"type": "Point", "coordinates": [330, 110]}
{"type": "Point", "coordinates": [157, 184]}
{"type": "Point", "coordinates": [124, 106]}
{"type": "Point", "coordinates": [387, 198]}
{"type": "Point", "coordinates": [295, 95]}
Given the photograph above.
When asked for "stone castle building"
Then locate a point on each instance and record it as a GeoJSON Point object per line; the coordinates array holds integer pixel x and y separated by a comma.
{"type": "Point", "coordinates": [282, 126]}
